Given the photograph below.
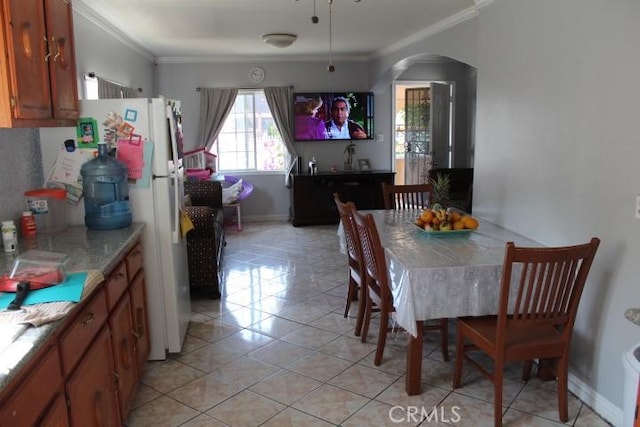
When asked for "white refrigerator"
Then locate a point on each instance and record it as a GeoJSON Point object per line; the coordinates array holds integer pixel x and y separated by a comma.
{"type": "Point", "coordinates": [157, 204]}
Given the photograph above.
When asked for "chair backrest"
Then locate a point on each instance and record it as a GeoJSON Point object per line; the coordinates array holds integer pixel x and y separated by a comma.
{"type": "Point", "coordinates": [354, 248]}
{"type": "Point", "coordinates": [549, 283]}
{"type": "Point", "coordinates": [375, 264]}
{"type": "Point", "coordinates": [204, 193]}
{"type": "Point", "coordinates": [408, 196]}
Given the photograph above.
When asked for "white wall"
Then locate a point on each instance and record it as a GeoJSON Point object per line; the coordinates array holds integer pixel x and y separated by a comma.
{"type": "Point", "coordinates": [557, 154]}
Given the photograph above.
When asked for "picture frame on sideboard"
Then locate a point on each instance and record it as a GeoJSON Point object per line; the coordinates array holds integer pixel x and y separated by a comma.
{"type": "Point", "coordinates": [364, 165]}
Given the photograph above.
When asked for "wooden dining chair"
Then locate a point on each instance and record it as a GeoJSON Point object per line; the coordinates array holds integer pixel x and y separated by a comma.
{"type": "Point", "coordinates": [539, 295]}
{"type": "Point", "coordinates": [378, 291]}
{"type": "Point", "coordinates": [410, 196]}
{"type": "Point", "coordinates": [355, 289]}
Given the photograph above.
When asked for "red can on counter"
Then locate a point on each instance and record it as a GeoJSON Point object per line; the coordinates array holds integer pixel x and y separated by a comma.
{"type": "Point", "coordinates": [28, 224]}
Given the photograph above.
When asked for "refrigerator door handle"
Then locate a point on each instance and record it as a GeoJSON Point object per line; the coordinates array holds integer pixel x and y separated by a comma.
{"type": "Point", "coordinates": [177, 205]}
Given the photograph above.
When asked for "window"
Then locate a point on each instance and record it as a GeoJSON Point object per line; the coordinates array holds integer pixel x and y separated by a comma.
{"type": "Point", "coordinates": [249, 139]}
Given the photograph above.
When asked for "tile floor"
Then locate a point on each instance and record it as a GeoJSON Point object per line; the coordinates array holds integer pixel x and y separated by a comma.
{"type": "Point", "coordinates": [277, 351]}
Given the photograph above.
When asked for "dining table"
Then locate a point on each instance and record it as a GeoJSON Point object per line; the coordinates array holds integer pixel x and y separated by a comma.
{"type": "Point", "coordinates": [437, 275]}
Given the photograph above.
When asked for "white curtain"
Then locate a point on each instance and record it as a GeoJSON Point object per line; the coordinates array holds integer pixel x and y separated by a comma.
{"type": "Point", "coordinates": [215, 105]}
{"type": "Point", "coordinates": [129, 92]}
{"type": "Point", "coordinates": [281, 106]}
{"type": "Point", "coordinates": [108, 90]}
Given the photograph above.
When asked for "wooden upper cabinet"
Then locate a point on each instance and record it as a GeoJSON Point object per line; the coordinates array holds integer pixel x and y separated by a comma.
{"type": "Point", "coordinates": [62, 65]}
{"type": "Point", "coordinates": [38, 81]}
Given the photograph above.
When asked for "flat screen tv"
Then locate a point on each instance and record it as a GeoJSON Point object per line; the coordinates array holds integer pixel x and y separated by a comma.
{"type": "Point", "coordinates": [328, 116]}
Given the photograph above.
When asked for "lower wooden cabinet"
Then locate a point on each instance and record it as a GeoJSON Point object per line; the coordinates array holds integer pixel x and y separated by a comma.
{"type": "Point", "coordinates": [91, 389]}
{"type": "Point", "coordinates": [123, 355]}
{"type": "Point", "coordinates": [30, 400]}
{"type": "Point", "coordinates": [56, 415]}
{"type": "Point", "coordinates": [88, 371]}
{"type": "Point", "coordinates": [142, 344]}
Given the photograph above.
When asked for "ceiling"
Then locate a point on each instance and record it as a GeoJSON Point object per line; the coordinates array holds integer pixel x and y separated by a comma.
{"type": "Point", "coordinates": [192, 29]}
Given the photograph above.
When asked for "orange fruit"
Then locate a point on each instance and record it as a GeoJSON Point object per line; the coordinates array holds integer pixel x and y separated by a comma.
{"type": "Point", "coordinates": [455, 217]}
{"type": "Point", "coordinates": [458, 225]}
{"type": "Point", "coordinates": [470, 222]}
{"type": "Point", "coordinates": [419, 222]}
{"type": "Point", "coordinates": [427, 216]}
{"type": "Point", "coordinates": [435, 220]}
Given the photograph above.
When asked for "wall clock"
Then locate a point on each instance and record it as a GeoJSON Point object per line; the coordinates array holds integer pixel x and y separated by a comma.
{"type": "Point", "coordinates": [256, 75]}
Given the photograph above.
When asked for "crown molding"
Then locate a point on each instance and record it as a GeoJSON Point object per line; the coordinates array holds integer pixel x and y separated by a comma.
{"type": "Point", "coordinates": [81, 8]}
{"type": "Point", "coordinates": [253, 58]}
{"type": "Point", "coordinates": [462, 16]}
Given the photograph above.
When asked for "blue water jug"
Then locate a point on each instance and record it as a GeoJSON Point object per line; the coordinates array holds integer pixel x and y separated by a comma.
{"type": "Point", "coordinates": [105, 191]}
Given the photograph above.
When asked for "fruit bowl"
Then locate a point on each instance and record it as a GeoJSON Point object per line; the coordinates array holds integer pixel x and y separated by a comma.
{"type": "Point", "coordinates": [439, 221]}
{"type": "Point", "coordinates": [461, 232]}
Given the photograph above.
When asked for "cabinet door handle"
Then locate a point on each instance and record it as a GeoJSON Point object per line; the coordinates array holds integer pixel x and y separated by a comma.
{"type": "Point", "coordinates": [56, 43]}
{"type": "Point", "coordinates": [139, 330]}
{"type": "Point", "coordinates": [46, 57]}
{"type": "Point", "coordinates": [88, 319]}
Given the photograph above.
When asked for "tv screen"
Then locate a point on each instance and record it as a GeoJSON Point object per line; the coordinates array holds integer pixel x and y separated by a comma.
{"type": "Point", "coordinates": [321, 116]}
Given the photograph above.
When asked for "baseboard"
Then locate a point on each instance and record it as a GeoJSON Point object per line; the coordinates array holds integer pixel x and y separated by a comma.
{"type": "Point", "coordinates": [264, 218]}
{"type": "Point", "coordinates": [595, 401]}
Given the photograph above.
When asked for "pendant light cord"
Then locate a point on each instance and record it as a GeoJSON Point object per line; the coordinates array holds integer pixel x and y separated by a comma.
{"type": "Point", "coordinates": [330, 68]}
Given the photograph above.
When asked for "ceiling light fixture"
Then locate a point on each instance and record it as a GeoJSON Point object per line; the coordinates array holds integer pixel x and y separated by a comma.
{"type": "Point", "coordinates": [279, 40]}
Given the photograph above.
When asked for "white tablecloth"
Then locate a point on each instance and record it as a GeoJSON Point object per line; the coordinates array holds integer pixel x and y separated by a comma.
{"type": "Point", "coordinates": [442, 276]}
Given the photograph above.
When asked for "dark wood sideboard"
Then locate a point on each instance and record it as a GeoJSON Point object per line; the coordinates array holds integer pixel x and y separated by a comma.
{"type": "Point", "coordinates": [312, 195]}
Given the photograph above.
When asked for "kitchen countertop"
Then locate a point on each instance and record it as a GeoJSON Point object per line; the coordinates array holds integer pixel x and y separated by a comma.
{"type": "Point", "coordinates": [87, 250]}
{"type": "Point", "coordinates": [633, 315]}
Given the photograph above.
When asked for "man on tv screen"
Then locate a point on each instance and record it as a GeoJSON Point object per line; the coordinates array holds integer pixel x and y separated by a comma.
{"type": "Point", "coordinates": [340, 127]}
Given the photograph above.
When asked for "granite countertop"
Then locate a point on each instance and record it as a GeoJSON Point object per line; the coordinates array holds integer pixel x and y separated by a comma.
{"type": "Point", "coordinates": [87, 250]}
{"type": "Point", "coordinates": [633, 315]}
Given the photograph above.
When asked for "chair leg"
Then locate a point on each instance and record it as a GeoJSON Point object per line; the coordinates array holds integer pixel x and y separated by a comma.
{"type": "Point", "coordinates": [361, 307]}
{"type": "Point", "coordinates": [347, 307]}
{"type": "Point", "coordinates": [497, 393]}
{"type": "Point", "coordinates": [382, 336]}
{"type": "Point", "coordinates": [526, 370]}
{"type": "Point", "coordinates": [563, 373]}
{"type": "Point", "coordinates": [367, 317]}
{"type": "Point", "coordinates": [444, 339]}
{"type": "Point", "coordinates": [349, 297]}
{"type": "Point", "coordinates": [457, 370]}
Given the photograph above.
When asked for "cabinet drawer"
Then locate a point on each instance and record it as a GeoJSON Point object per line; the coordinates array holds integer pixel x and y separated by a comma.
{"type": "Point", "coordinates": [116, 284]}
{"type": "Point", "coordinates": [24, 407]}
{"type": "Point", "coordinates": [82, 330]}
{"type": "Point", "coordinates": [134, 261]}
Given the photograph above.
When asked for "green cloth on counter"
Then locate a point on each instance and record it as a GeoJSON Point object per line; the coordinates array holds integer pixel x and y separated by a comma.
{"type": "Point", "coordinates": [69, 290]}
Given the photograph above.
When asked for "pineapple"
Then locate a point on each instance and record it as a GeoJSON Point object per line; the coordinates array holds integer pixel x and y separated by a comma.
{"type": "Point", "coordinates": [440, 189]}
